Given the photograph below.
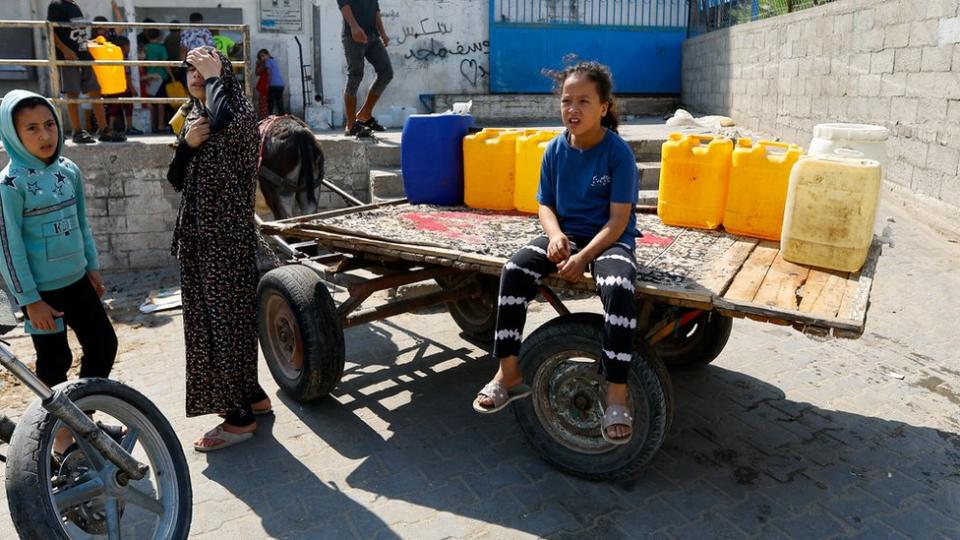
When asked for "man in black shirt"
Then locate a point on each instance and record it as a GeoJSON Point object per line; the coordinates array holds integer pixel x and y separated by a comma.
{"type": "Point", "coordinates": [363, 37]}
{"type": "Point", "coordinates": [71, 44]}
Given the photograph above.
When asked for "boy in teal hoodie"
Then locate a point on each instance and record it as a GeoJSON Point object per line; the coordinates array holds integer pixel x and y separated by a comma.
{"type": "Point", "coordinates": [47, 253]}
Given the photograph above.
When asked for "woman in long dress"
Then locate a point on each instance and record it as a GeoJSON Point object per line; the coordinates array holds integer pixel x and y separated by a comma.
{"type": "Point", "coordinates": [215, 240]}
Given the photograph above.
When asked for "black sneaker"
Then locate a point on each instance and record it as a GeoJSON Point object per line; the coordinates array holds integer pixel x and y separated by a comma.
{"type": "Point", "coordinates": [111, 136]}
{"type": "Point", "coordinates": [359, 131]}
{"type": "Point", "coordinates": [371, 124]}
{"type": "Point", "coordinates": [82, 137]}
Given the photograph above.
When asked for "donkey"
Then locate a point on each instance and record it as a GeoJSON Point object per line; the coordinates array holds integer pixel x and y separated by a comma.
{"type": "Point", "coordinates": [290, 167]}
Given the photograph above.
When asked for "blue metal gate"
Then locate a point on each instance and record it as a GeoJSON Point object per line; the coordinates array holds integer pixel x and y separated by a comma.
{"type": "Point", "coordinates": [639, 39]}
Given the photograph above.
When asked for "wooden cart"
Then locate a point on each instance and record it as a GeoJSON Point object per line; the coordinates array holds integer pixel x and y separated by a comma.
{"type": "Point", "coordinates": [690, 285]}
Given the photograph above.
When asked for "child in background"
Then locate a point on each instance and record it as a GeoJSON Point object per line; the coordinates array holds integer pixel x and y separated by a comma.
{"type": "Point", "coordinates": [155, 50]}
{"type": "Point", "coordinates": [275, 82]}
{"type": "Point", "coordinates": [263, 85]}
{"type": "Point", "coordinates": [120, 116]}
{"type": "Point", "coordinates": [50, 262]}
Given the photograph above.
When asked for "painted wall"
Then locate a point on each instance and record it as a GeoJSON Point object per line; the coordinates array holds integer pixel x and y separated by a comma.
{"type": "Point", "coordinates": [436, 47]}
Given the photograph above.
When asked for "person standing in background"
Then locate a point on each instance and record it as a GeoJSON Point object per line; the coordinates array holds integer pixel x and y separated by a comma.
{"type": "Point", "coordinates": [274, 82]}
{"type": "Point", "coordinates": [263, 86]}
{"type": "Point", "coordinates": [363, 37]}
{"type": "Point", "coordinates": [191, 38]}
{"type": "Point", "coordinates": [155, 50]}
{"type": "Point", "coordinates": [71, 44]}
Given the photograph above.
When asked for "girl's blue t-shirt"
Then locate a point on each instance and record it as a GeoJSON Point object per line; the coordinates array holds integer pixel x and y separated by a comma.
{"type": "Point", "coordinates": [580, 184]}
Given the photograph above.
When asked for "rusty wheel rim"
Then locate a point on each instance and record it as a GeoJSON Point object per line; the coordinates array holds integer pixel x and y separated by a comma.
{"type": "Point", "coordinates": [568, 395]}
{"type": "Point", "coordinates": [283, 336]}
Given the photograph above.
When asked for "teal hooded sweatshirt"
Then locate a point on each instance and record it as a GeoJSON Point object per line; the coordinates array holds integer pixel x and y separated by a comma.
{"type": "Point", "coordinates": [44, 235]}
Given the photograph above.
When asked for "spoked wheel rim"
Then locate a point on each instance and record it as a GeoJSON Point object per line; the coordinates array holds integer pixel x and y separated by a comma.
{"type": "Point", "coordinates": [568, 396]}
{"type": "Point", "coordinates": [97, 496]}
{"type": "Point", "coordinates": [283, 336]}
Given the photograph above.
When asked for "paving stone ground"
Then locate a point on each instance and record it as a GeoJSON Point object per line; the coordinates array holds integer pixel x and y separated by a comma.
{"type": "Point", "coordinates": [782, 436]}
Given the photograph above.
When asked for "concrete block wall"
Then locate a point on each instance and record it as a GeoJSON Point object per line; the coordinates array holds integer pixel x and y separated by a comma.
{"type": "Point", "coordinates": [890, 62]}
{"type": "Point", "coordinates": [132, 208]}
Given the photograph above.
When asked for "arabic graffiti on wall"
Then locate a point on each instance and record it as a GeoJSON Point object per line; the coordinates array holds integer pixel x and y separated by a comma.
{"type": "Point", "coordinates": [433, 41]}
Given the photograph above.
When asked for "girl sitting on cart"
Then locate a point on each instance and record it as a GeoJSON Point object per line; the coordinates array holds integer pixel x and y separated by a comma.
{"type": "Point", "coordinates": [588, 190]}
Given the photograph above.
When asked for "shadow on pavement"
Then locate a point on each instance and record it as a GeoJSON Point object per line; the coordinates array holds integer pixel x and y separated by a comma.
{"type": "Point", "coordinates": [738, 449]}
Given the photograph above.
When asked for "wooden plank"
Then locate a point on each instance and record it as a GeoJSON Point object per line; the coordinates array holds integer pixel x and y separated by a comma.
{"type": "Point", "coordinates": [773, 314]}
{"type": "Point", "coordinates": [780, 285]}
{"type": "Point", "coordinates": [747, 281]}
{"type": "Point", "coordinates": [823, 292]}
{"type": "Point", "coordinates": [857, 297]}
{"type": "Point", "coordinates": [719, 276]}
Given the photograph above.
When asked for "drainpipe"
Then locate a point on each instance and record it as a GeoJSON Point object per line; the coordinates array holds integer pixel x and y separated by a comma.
{"type": "Point", "coordinates": [317, 59]}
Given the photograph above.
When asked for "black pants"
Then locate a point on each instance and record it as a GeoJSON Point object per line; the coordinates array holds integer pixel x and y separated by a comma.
{"type": "Point", "coordinates": [275, 100]}
{"type": "Point", "coordinates": [84, 313]}
{"type": "Point", "coordinates": [244, 417]}
{"type": "Point", "coordinates": [614, 271]}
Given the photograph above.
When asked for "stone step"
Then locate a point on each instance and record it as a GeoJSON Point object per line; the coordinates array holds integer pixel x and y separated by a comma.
{"type": "Point", "coordinates": [646, 149]}
{"type": "Point", "coordinates": [383, 154]}
{"type": "Point", "coordinates": [649, 174]}
{"type": "Point", "coordinates": [386, 184]}
{"type": "Point", "coordinates": [648, 197]}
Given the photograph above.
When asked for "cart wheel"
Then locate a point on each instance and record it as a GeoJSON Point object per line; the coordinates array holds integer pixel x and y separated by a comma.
{"type": "Point", "coordinates": [697, 343]}
{"type": "Point", "coordinates": [476, 317]}
{"type": "Point", "coordinates": [300, 332]}
{"type": "Point", "coordinates": [562, 417]}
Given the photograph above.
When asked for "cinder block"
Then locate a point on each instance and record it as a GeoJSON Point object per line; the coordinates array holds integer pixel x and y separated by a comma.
{"type": "Point", "coordinates": [924, 33]}
{"type": "Point", "coordinates": [882, 61]}
{"type": "Point", "coordinates": [936, 58]}
{"type": "Point", "coordinates": [948, 31]}
{"type": "Point", "coordinates": [150, 258]}
{"type": "Point", "coordinates": [96, 206]}
{"type": "Point", "coordinates": [870, 85]}
{"type": "Point", "coordinates": [927, 182]}
{"type": "Point", "coordinates": [871, 40]}
{"type": "Point", "coordinates": [107, 224]}
{"type": "Point", "coordinates": [907, 60]}
{"type": "Point", "coordinates": [140, 241]}
{"type": "Point", "coordinates": [137, 223]}
{"type": "Point", "coordinates": [860, 63]}
{"type": "Point", "coordinates": [931, 110]}
{"type": "Point", "coordinates": [150, 188]}
{"type": "Point", "coordinates": [941, 8]}
{"type": "Point", "coordinates": [953, 111]}
{"type": "Point", "coordinates": [934, 85]}
{"type": "Point", "coordinates": [893, 84]}
{"type": "Point", "coordinates": [863, 19]}
{"type": "Point", "coordinates": [897, 35]}
{"type": "Point", "coordinates": [904, 110]}
{"type": "Point", "coordinates": [943, 159]}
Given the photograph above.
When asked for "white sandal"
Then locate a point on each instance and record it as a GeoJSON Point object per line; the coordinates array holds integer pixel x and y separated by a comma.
{"type": "Point", "coordinates": [616, 415]}
{"type": "Point", "coordinates": [228, 439]}
{"type": "Point", "coordinates": [500, 395]}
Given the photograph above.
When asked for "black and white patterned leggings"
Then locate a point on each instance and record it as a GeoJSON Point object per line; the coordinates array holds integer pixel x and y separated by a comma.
{"type": "Point", "coordinates": [614, 271]}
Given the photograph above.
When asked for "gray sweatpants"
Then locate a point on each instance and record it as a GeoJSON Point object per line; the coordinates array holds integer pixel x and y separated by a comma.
{"type": "Point", "coordinates": [375, 53]}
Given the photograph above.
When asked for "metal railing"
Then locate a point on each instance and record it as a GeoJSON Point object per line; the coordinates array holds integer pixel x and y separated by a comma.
{"type": "Point", "coordinates": [708, 15]}
{"type": "Point", "coordinates": [53, 64]}
{"type": "Point", "coordinates": [652, 13]}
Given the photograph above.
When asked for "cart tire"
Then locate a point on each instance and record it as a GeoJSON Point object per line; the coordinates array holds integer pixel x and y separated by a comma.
{"type": "Point", "coordinates": [561, 420]}
{"type": "Point", "coordinates": [697, 344]}
{"type": "Point", "coordinates": [300, 332]}
{"type": "Point", "coordinates": [476, 317]}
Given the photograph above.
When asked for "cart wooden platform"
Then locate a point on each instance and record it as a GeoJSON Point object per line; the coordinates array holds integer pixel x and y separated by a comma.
{"type": "Point", "coordinates": [690, 284]}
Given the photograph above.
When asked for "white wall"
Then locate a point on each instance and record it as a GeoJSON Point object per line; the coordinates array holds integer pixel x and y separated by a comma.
{"type": "Point", "coordinates": [420, 63]}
